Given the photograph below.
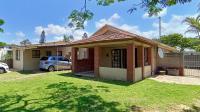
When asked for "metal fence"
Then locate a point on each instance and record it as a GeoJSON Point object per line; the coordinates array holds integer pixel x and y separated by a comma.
{"type": "Point", "coordinates": [191, 64]}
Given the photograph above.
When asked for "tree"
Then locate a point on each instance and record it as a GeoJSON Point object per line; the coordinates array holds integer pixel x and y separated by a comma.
{"type": "Point", "coordinates": [85, 36]}
{"type": "Point", "coordinates": [195, 44]}
{"type": "Point", "coordinates": [176, 40]}
{"type": "Point", "coordinates": [153, 7]}
{"type": "Point", "coordinates": [1, 23]}
{"type": "Point", "coordinates": [194, 25]}
{"type": "Point", "coordinates": [25, 42]}
{"type": "Point", "coordinates": [67, 38]}
{"type": "Point", "coordinates": [3, 44]}
{"type": "Point", "coordinates": [42, 37]}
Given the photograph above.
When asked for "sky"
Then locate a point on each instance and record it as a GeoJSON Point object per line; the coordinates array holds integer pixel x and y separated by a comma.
{"type": "Point", "coordinates": [25, 19]}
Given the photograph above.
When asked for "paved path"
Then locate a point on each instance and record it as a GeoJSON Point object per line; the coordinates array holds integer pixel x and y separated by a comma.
{"type": "Point", "coordinates": [177, 79]}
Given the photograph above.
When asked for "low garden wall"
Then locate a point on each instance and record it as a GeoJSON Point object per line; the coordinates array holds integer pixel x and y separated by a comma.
{"type": "Point", "coordinates": [172, 63]}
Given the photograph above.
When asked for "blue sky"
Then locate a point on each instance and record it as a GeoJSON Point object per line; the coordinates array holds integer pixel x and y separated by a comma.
{"type": "Point", "coordinates": [27, 18]}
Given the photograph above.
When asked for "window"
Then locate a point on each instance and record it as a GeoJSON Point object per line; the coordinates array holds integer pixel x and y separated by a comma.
{"type": "Point", "coordinates": [48, 53]}
{"type": "Point", "coordinates": [136, 58]}
{"type": "Point", "coordinates": [44, 58]}
{"type": "Point", "coordinates": [82, 53]}
{"type": "Point", "coordinates": [119, 58]}
{"type": "Point", "coordinates": [17, 54]}
{"type": "Point", "coordinates": [59, 53]}
{"type": "Point", "coordinates": [146, 57]}
{"type": "Point", "coordinates": [35, 53]}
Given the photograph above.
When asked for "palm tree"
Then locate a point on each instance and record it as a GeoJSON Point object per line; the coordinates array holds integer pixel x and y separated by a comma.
{"type": "Point", "coordinates": [1, 23]}
{"type": "Point", "coordinates": [194, 25]}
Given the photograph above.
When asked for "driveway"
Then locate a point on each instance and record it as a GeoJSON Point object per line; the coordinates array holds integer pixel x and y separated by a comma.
{"type": "Point", "coordinates": [177, 79]}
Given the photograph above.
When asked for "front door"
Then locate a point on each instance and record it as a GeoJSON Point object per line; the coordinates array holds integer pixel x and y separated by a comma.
{"type": "Point", "coordinates": [119, 57]}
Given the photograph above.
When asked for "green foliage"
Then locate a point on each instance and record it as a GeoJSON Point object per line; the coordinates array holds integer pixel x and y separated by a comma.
{"type": "Point", "coordinates": [25, 42]}
{"type": "Point", "coordinates": [185, 43]}
{"type": "Point", "coordinates": [176, 40]}
{"type": "Point", "coordinates": [195, 44]}
{"type": "Point", "coordinates": [1, 23]}
{"type": "Point", "coordinates": [68, 38]}
{"type": "Point", "coordinates": [80, 17]}
{"type": "Point", "coordinates": [107, 2]}
{"type": "Point", "coordinates": [194, 25]}
{"type": "Point", "coordinates": [197, 48]}
{"type": "Point", "coordinates": [153, 7]}
{"type": "Point", "coordinates": [3, 44]}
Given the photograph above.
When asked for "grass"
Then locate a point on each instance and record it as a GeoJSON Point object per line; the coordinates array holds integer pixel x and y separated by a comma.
{"type": "Point", "coordinates": [61, 91]}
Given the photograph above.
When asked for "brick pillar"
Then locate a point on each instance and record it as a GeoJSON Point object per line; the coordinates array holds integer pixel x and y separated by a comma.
{"type": "Point", "coordinates": [131, 62]}
{"type": "Point", "coordinates": [74, 59]}
{"type": "Point", "coordinates": [142, 61]}
{"type": "Point", "coordinates": [97, 59]}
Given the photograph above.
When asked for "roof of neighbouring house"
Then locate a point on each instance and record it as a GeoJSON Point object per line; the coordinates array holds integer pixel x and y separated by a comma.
{"type": "Point", "coordinates": [48, 44]}
{"type": "Point", "coordinates": [109, 33]}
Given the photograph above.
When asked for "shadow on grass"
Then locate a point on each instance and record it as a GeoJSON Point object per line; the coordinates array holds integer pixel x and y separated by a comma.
{"type": "Point", "coordinates": [121, 83]}
{"type": "Point", "coordinates": [194, 108]}
{"type": "Point", "coordinates": [61, 96]}
{"type": "Point", "coordinates": [28, 72]}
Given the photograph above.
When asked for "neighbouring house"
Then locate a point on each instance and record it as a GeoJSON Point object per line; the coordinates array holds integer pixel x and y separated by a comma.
{"type": "Point", "coordinates": [6, 55]}
{"type": "Point", "coordinates": [4, 50]}
{"type": "Point", "coordinates": [28, 57]}
{"type": "Point", "coordinates": [112, 53]}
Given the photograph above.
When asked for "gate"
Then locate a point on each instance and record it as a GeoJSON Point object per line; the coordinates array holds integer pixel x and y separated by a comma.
{"type": "Point", "coordinates": [191, 64]}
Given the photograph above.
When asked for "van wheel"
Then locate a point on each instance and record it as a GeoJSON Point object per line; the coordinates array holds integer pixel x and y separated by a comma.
{"type": "Point", "coordinates": [51, 69]}
{"type": "Point", "coordinates": [2, 70]}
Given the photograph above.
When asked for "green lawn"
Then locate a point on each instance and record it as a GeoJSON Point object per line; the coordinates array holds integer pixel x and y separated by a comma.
{"type": "Point", "coordinates": [61, 91]}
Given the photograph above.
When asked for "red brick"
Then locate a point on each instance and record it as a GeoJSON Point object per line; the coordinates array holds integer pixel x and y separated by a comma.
{"type": "Point", "coordinates": [74, 59]}
{"type": "Point", "coordinates": [97, 59]}
{"type": "Point", "coordinates": [131, 62]}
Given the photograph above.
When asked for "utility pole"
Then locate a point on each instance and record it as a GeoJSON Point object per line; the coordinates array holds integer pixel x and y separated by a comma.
{"type": "Point", "coordinates": [159, 26]}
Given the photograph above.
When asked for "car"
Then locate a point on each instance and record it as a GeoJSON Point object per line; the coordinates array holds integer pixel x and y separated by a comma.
{"type": "Point", "coordinates": [52, 63]}
{"type": "Point", "coordinates": [3, 68]}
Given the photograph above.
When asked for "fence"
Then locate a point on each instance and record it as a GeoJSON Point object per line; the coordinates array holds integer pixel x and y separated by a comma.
{"type": "Point", "coordinates": [192, 64]}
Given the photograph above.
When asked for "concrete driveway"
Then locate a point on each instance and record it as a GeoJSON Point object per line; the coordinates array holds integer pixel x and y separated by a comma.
{"type": "Point", "coordinates": [177, 79]}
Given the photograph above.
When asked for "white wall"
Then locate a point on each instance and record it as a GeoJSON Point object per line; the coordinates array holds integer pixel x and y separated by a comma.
{"type": "Point", "coordinates": [147, 71]}
{"type": "Point", "coordinates": [138, 74]}
{"type": "Point", "coordinates": [113, 73]}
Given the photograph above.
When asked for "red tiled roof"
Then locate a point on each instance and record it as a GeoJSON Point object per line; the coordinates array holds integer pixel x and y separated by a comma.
{"type": "Point", "coordinates": [111, 33]}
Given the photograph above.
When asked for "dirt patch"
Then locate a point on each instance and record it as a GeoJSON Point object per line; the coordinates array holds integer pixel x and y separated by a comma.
{"type": "Point", "coordinates": [177, 79]}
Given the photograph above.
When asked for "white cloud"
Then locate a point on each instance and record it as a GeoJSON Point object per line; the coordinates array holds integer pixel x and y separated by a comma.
{"type": "Point", "coordinates": [57, 31]}
{"type": "Point", "coordinates": [113, 20]}
{"type": "Point", "coordinates": [57, 38]}
{"type": "Point", "coordinates": [161, 14]}
{"type": "Point", "coordinates": [20, 34]}
{"type": "Point", "coordinates": [174, 25]}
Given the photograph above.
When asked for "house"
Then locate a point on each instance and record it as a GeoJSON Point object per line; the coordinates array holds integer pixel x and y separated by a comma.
{"type": "Point", "coordinates": [112, 53]}
{"type": "Point", "coordinates": [28, 57]}
{"type": "Point", "coordinates": [6, 55]}
{"type": "Point", "coordinates": [5, 50]}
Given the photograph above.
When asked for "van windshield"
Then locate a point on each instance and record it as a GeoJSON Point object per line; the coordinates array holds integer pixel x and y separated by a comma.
{"type": "Point", "coordinates": [44, 58]}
